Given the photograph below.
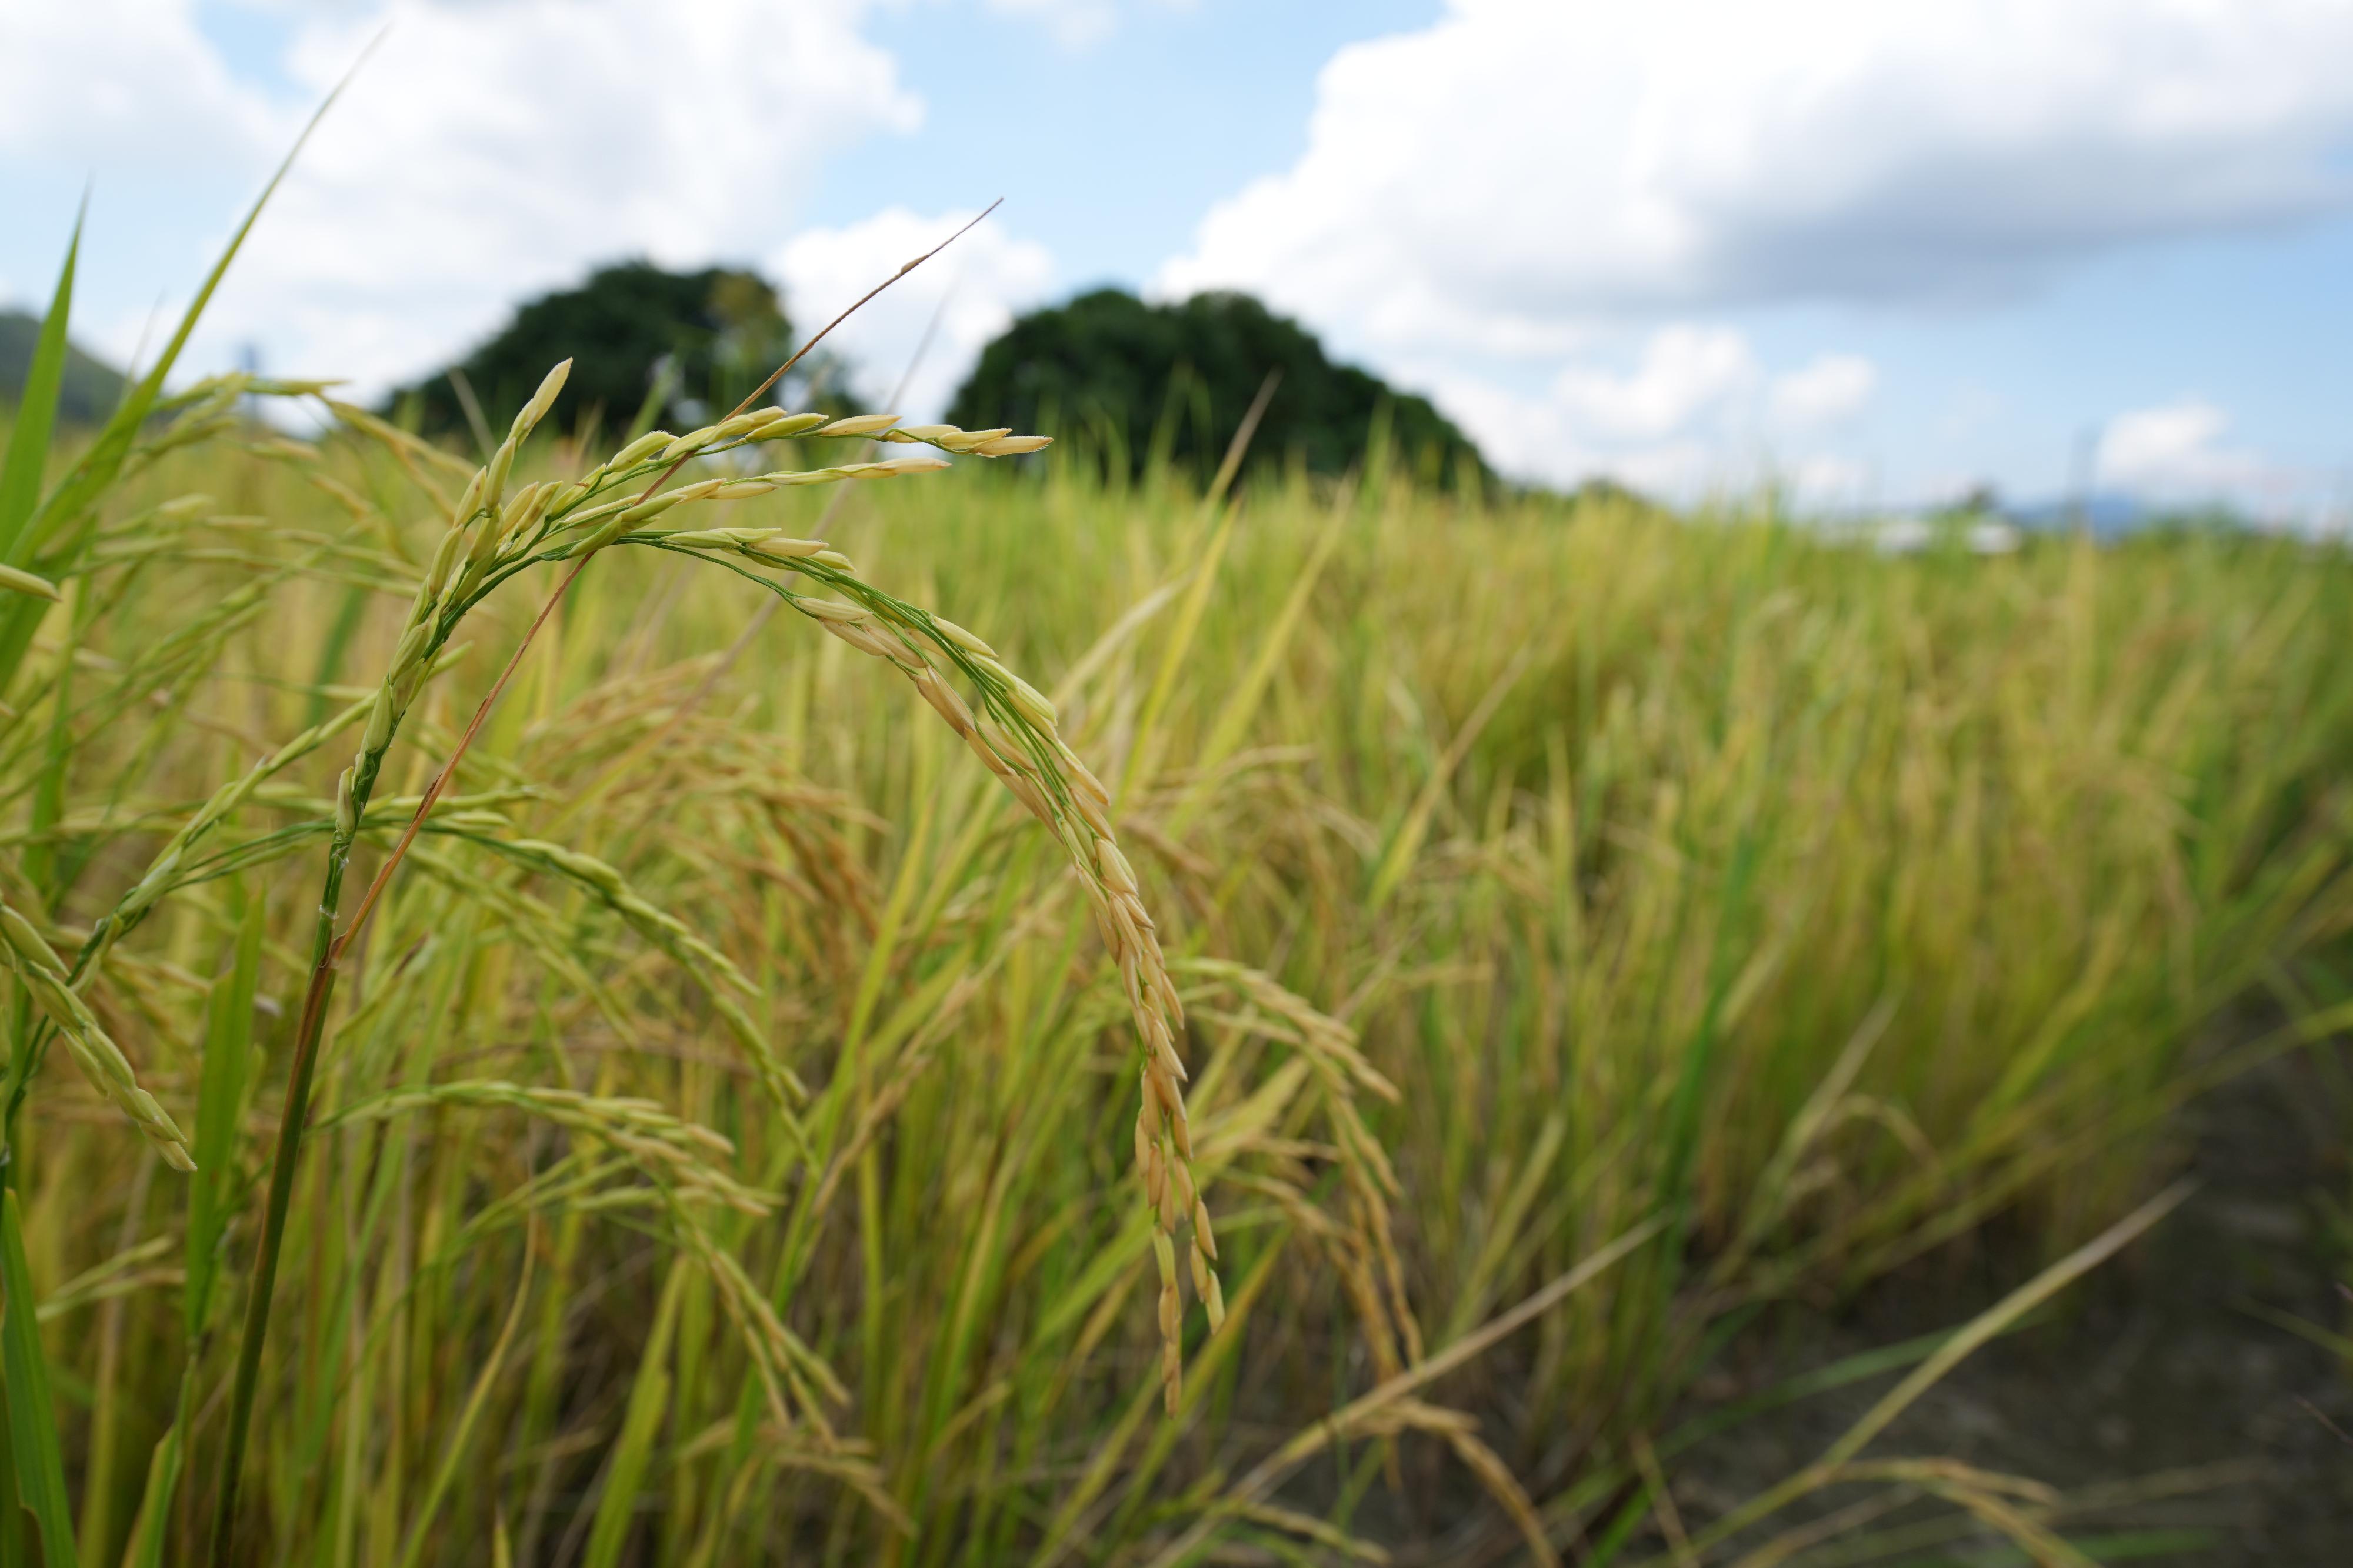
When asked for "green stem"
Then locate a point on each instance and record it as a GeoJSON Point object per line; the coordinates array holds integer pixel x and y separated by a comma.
{"type": "Point", "coordinates": [324, 953]}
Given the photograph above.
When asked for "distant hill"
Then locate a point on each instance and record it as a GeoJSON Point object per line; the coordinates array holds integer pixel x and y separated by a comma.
{"type": "Point", "coordinates": [1187, 374]}
{"type": "Point", "coordinates": [708, 336]}
{"type": "Point", "coordinates": [2116, 515]}
{"type": "Point", "coordinates": [92, 387]}
{"type": "Point", "coordinates": [2107, 513]}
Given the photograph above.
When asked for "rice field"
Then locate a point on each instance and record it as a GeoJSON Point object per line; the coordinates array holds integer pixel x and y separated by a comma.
{"type": "Point", "coordinates": [745, 1124]}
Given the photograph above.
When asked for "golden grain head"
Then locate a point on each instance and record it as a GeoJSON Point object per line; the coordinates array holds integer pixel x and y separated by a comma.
{"type": "Point", "coordinates": [831, 610]}
{"type": "Point", "coordinates": [639, 450]}
{"type": "Point", "coordinates": [444, 561]}
{"type": "Point", "coordinates": [16, 580]}
{"type": "Point", "coordinates": [778, 426]}
{"type": "Point", "coordinates": [965, 440]}
{"type": "Point", "coordinates": [944, 699]}
{"type": "Point", "coordinates": [692, 441]}
{"type": "Point", "coordinates": [859, 425]}
{"type": "Point", "coordinates": [541, 401]}
{"type": "Point", "coordinates": [1032, 704]}
{"type": "Point", "coordinates": [647, 510]}
{"type": "Point", "coordinates": [1011, 445]}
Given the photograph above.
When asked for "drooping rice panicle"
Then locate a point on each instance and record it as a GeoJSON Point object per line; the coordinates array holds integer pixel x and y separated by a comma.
{"type": "Point", "coordinates": [42, 975]}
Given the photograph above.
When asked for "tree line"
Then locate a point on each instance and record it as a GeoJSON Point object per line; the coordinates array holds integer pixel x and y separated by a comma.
{"type": "Point", "coordinates": [1130, 381]}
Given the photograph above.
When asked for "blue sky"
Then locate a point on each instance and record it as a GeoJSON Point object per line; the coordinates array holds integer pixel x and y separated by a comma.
{"type": "Point", "coordinates": [1878, 252]}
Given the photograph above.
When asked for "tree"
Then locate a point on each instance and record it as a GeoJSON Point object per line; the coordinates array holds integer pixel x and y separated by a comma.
{"type": "Point", "coordinates": [712, 335]}
{"type": "Point", "coordinates": [1109, 367]}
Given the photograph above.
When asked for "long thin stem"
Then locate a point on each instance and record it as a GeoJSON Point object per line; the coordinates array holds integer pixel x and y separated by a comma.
{"type": "Point", "coordinates": [282, 1194]}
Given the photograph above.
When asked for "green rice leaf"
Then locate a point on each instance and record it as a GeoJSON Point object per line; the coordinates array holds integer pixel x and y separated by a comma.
{"type": "Point", "coordinates": [95, 474]}
{"type": "Point", "coordinates": [220, 1102]}
{"type": "Point", "coordinates": [32, 1420]}
{"type": "Point", "coordinates": [648, 1402]}
{"type": "Point", "coordinates": [28, 445]}
{"type": "Point", "coordinates": [148, 1529]}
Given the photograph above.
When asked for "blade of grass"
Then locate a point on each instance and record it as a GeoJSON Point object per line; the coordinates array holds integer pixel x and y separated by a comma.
{"type": "Point", "coordinates": [460, 1439]}
{"type": "Point", "coordinates": [36, 411]}
{"type": "Point", "coordinates": [220, 1105]}
{"type": "Point", "coordinates": [1399, 857]}
{"type": "Point", "coordinates": [152, 1523]}
{"type": "Point", "coordinates": [33, 1443]}
{"type": "Point", "coordinates": [1205, 577]}
{"type": "Point", "coordinates": [648, 1402]}
{"type": "Point", "coordinates": [90, 479]}
{"type": "Point", "coordinates": [1233, 720]}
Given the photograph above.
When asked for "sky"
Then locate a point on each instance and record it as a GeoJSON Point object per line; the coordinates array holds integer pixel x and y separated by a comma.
{"type": "Point", "coordinates": [1878, 253]}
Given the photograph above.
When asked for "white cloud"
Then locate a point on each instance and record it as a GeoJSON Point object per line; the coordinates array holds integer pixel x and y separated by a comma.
{"type": "Point", "coordinates": [1824, 480]}
{"type": "Point", "coordinates": [1686, 372]}
{"type": "Point", "coordinates": [104, 80]}
{"type": "Point", "coordinates": [1522, 167]}
{"type": "Point", "coordinates": [2177, 449]}
{"type": "Point", "coordinates": [972, 290]}
{"type": "Point", "coordinates": [482, 153]}
{"type": "Point", "coordinates": [1687, 415]}
{"type": "Point", "coordinates": [1830, 390]}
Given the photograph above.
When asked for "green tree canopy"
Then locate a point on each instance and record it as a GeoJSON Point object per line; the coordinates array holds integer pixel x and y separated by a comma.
{"type": "Point", "coordinates": [1108, 364]}
{"type": "Point", "coordinates": [717, 332]}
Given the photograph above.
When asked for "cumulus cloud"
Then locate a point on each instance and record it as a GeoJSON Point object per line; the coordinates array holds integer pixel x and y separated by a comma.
{"type": "Point", "coordinates": [1825, 479]}
{"type": "Point", "coordinates": [2179, 449]}
{"type": "Point", "coordinates": [1686, 372]}
{"type": "Point", "coordinates": [1828, 391]}
{"type": "Point", "coordinates": [971, 290]}
{"type": "Point", "coordinates": [484, 151]}
{"type": "Point", "coordinates": [1522, 167]}
{"type": "Point", "coordinates": [100, 81]}
{"type": "Point", "coordinates": [1694, 410]}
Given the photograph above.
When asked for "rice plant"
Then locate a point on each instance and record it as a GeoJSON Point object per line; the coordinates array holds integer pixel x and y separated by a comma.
{"type": "Point", "coordinates": [711, 1087]}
